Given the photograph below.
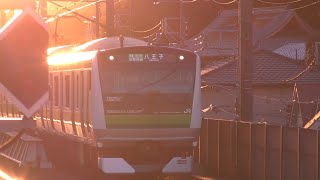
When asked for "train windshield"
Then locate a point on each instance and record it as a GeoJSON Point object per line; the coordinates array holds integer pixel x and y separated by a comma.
{"type": "Point", "coordinates": [139, 92]}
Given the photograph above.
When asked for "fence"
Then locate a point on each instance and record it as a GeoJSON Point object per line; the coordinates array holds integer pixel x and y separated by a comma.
{"type": "Point", "coordinates": [239, 150]}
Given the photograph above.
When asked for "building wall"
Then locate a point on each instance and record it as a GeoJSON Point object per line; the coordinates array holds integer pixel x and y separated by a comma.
{"type": "Point", "coordinates": [268, 103]}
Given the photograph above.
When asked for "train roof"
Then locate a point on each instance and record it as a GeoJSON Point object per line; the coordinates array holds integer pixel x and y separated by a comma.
{"type": "Point", "coordinates": [59, 49]}
{"type": "Point", "coordinates": [70, 53]}
{"type": "Point", "coordinates": [109, 43]}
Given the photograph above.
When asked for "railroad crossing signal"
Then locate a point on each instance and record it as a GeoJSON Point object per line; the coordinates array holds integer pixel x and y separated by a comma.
{"type": "Point", "coordinates": [23, 62]}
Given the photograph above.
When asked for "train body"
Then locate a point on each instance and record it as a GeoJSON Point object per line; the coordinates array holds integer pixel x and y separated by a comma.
{"type": "Point", "coordinates": [123, 109]}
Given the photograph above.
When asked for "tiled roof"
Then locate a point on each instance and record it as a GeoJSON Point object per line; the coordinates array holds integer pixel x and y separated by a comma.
{"type": "Point", "coordinates": [292, 50]}
{"type": "Point", "coordinates": [220, 37]}
{"type": "Point", "coordinates": [268, 68]}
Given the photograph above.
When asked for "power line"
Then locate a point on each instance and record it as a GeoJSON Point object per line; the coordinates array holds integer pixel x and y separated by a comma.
{"type": "Point", "coordinates": [224, 3]}
{"type": "Point", "coordinates": [219, 108]}
{"type": "Point", "coordinates": [261, 97]}
{"type": "Point", "coordinates": [302, 72]}
{"type": "Point", "coordinates": [148, 30]}
{"type": "Point", "coordinates": [279, 3]}
{"type": "Point", "coordinates": [290, 9]}
{"type": "Point", "coordinates": [71, 11]}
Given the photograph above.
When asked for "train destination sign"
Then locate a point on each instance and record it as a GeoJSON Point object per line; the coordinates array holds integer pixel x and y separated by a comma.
{"type": "Point", "coordinates": [145, 57]}
{"type": "Point", "coordinates": [23, 62]}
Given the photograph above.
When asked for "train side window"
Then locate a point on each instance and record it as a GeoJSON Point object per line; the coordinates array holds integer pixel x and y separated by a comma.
{"type": "Point", "coordinates": [89, 80]}
{"type": "Point", "coordinates": [77, 91]}
{"type": "Point", "coordinates": [56, 90]}
{"type": "Point", "coordinates": [67, 91]}
{"type": "Point", "coordinates": [50, 88]}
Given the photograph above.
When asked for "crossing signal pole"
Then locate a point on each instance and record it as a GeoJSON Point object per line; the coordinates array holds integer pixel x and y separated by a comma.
{"type": "Point", "coordinates": [245, 59]}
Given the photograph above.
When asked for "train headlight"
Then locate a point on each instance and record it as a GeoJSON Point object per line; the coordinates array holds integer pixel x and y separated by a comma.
{"type": "Point", "coordinates": [99, 144]}
{"type": "Point", "coordinates": [181, 58]}
{"type": "Point", "coordinates": [111, 58]}
{"type": "Point", "coordinates": [195, 144]}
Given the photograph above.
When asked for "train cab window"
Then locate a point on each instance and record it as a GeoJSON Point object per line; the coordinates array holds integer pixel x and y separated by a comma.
{"type": "Point", "coordinates": [56, 91]}
{"type": "Point", "coordinates": [67, 91]}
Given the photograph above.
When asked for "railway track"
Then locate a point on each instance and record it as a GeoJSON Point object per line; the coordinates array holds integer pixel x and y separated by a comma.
{"type": "Point", "coordinates": [10, 171]}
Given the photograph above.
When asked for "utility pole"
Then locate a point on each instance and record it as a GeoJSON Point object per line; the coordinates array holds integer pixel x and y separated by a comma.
{"type": "Point", "coordinates": [98, 12]}
{"type": "Point", "coordinates": [3, 18]}
{"type": "Point", "coordinates": [109, 18]}
{"type": "Point", "coordinates": [181, 37]}
{"type": "Point", "coordinates": [245, 59]}
{"type": "Point", "coordinates": [43, 8]}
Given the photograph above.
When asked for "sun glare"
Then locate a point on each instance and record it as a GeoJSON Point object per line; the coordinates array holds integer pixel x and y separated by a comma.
{"type": "Point", "coordinates": [70, 58]}
{"type": "Point", "coordinates": [5, 176]}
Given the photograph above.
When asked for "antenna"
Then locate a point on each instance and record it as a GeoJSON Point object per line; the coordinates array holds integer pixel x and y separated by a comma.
{"type": "Point", "coordinates": [121, 39]}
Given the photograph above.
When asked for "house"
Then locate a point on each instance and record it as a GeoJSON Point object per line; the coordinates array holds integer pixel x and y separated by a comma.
{"type": "Point", "coordinates": [273, 27]}
{"type": "Point", "coordinates": [273, 80]}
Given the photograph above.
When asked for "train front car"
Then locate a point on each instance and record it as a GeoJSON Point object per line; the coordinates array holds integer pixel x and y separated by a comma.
{"type": "Point", "coordinates": [146, 109]}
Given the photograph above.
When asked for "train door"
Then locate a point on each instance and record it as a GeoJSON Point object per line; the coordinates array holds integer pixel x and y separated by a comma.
{"type": "Point", "coordinates": [88, 102]}
{"type": "Point", "coordinates": [72, 101]}
{"type": "Point", "coordinates": [82, 104]}
{"type": "Point", "coordinates": [57, 102]}
{"type": "Point", "coordinates": [51, 101]}
{"type": "Point", "coordinates": [79, 126]}
{"type": "Point", "coordinates": [67, 103]}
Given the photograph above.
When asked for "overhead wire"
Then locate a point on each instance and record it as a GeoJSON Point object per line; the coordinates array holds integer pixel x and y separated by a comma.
{"type": "Point", "coordinates": [280, 3]}
{"type": "Point", "coordinates": [148, 30]}
{"type": "Point", "coordinates": [290, 9]}
{"type": "Point", "coordinates": [261, 97]}
{"type": "Point", "coordinates": [219, 108]}
{"type": "Point", "coordinates": [66, 6]}
{"type": "Point", "coordinates": [71, 11]}
{"type": "Point", "coordinates": [153, 34]}
{"type": "Point", "coordinates": [224, 3]}
{"type": "Point", "coordinates": [312, 63]}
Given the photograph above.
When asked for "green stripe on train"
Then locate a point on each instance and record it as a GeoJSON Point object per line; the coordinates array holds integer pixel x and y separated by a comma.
{"type": "Point", "coordinates": [148, 121]}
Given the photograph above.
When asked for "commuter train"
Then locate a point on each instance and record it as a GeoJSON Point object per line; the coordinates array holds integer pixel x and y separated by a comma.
{"type": "Point", "coordinates": [122, 108]}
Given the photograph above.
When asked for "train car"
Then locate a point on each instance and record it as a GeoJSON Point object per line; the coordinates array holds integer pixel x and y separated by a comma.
{"type": "Point", "coordinates": [134, 109]}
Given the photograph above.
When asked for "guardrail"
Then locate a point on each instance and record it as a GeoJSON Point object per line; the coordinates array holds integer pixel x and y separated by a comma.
{"type": "Point", "coordinates": [240, 150]}
{"type": "Point", "coordinates": [26, 151]}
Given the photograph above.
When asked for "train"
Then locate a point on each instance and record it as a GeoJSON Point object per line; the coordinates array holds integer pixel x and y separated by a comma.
{"type": "Point", "coordinates": [121, 106]}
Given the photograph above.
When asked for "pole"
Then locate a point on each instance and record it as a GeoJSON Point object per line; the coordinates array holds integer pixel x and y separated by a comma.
{"type": "Point", "coordinates": [131, 13]}
{"type": "Point", "coordinates": [97, 20]}
{"type": "Point", "coordinates": [109, 18]}
{"type": "Point", "coordinates": [245, 59]}
{"type": "Point", "coordinates": [3, 18]}
{"type": "Point", "coordinates": [43, 8]}
{"type": "Point", "coordinates": [181, 21]}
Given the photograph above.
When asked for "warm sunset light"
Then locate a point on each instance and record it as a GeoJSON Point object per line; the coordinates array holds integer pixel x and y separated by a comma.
{"type": "Point", "coordinates": [69, 58]}
{"type": "Point", "coordinates": [159, 89]}
{"type": "Point", "coordinates": [15, 4]}
{"type": "Point", "coordinates": [5, 176]}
